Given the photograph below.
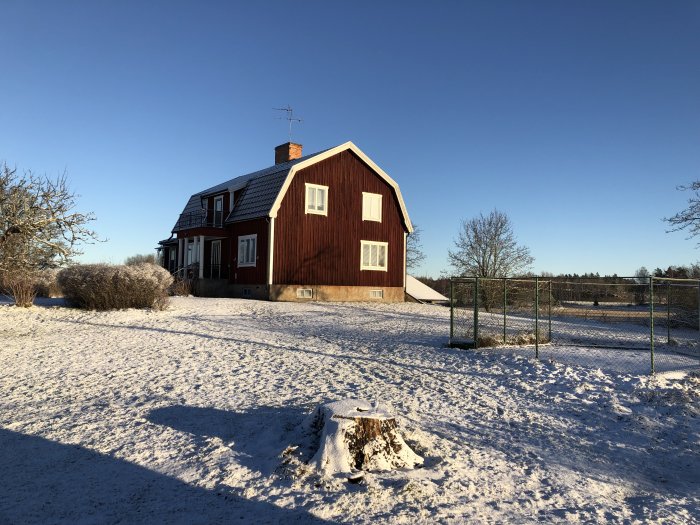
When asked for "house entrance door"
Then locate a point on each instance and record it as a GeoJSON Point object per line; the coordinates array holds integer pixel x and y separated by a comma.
{"type": "Point", "coordinates": [216, 259]}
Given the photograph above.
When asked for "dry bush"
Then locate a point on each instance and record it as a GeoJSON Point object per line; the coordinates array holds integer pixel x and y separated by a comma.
{"type": "Point", "coordinates": [46, 284]}
{"type": "Point", "coordinates": [105, 287]}
{"type": "Point", "coordinates": [528, 339]}
{"type": "Point", "coordinates": [488, 341]}
{"type": "Point", "coordinates": [148, 258]}
{"type": "Point", "coordinates": [21, 287]}
{"type": "Point", "coordinates": [522, 339]}
{"type": "Point", "coordinates": [25, 285]}
{"type": "Point", "coordinates": [181, 287]}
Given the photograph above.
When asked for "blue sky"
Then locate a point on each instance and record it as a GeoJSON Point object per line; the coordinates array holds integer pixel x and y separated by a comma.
{"type": "Point", "coordinates": [577, 119]}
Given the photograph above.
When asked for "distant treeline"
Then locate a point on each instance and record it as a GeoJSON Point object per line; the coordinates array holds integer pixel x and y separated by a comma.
{"type": "Point", "coordinates": [594, 287]}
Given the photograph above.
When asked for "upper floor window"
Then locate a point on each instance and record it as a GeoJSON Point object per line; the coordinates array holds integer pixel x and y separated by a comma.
{"type": "Point", "coordinates": [219, 210]}
{"type": "Point", "coordinates": [371, 207]}
{"type": "Point", "coordinates": [316, 199]}
{"type": "Point", "coordinates": [374, 255]}
{"type": "Point", "coordinates": [247, 248]}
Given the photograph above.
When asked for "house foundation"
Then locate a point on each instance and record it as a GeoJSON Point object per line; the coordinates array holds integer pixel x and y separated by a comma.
{"type": "Point", "coordinates": [300, 293]}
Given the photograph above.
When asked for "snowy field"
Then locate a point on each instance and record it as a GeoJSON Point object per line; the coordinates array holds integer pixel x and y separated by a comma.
{"type": "Point", "coordinates": [182, 416]}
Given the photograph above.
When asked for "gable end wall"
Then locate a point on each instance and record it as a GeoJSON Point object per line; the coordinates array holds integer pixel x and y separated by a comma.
{"type": "Point", "coordinates": [325, 250]}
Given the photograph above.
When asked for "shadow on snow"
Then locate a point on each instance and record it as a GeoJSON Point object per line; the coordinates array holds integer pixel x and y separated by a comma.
{"type": "Point", "coordinates": [46, 482]}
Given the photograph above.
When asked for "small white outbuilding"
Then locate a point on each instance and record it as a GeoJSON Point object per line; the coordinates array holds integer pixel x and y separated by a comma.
{"type": "Point", "coordinates": [422, 292]}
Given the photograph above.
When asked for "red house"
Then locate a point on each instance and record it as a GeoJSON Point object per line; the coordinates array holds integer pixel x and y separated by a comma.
{"type": "Point", "coordinates": [327, 226]}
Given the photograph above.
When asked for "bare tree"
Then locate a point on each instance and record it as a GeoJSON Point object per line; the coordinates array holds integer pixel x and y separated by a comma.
{"type": "Point", "coordinates": [147, 258]}
{"type": "Point", "coordinates": [486, 247]}
{"type": "Point", "coordinates": [689, 218]}
{"type": "Point", "coordinates": [641, 286]}
{"type": "Point", "coordinates": [414, 249]}
{"type": "Point", "coordinates": [38, 228]}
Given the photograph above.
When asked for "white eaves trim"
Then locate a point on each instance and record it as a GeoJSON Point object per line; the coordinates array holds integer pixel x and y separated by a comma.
{"type": "Point", "coordinates": [329, 153]}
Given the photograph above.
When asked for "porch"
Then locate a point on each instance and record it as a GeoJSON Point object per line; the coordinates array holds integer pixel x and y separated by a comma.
{"type": "Point", "coordinates": [197, 257]}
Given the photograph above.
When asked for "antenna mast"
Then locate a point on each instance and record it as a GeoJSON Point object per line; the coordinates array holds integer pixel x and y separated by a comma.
{"type": "Point", "coordinates": [290, 118]}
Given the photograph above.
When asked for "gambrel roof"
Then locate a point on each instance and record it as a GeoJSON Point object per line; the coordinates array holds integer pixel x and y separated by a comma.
{"type": "Point", "coordinates": [264, 190]}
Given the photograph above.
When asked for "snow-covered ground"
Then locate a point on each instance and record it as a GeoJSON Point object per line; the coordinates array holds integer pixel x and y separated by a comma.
{"type": "Point", "coordinates": [183, 416]}
{"type": "Point", "coordinates": [613, 346]}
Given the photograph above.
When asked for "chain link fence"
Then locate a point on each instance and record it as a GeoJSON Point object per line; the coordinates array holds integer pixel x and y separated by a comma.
{"type": "Point", "coordinates": [627, 324]}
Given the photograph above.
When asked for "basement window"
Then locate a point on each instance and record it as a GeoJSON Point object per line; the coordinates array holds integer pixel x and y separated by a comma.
{"type": "Point", "coordinates": [305, 293]}
{"type": "Point", "coordinates": [376, 294]}
{"type": "Point", "coordinates": [316, 199]}
{"type": "Point", "coordinates": [373, 255]}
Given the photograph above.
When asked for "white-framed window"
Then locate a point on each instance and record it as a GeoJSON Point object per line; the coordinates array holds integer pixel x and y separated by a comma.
{"type": "Point", "coordinates": [218, 210]}
{"type": "Point", "coordinates": [371, 207]}
{"type": "Point", "coordinates": [189, 258]}
{"type": "Point", "coordinates": [316, 199]}
{"type": "Point", "coordinates": [373, 255]}
{"type": "Point", "coordinates": [247, 249]}
{"type": "Point", "coordinates": [305, 293]}
{"type": "Point", "coordinates": [216, 259]}
{"type": "Point", "coordinates": [376, 294]}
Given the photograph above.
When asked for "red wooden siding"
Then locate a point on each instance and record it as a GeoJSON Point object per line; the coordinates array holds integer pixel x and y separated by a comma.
{"type": "Point", "coordinates": [325, 250]}
{"type": "Point", "coordinates": [249, 274]}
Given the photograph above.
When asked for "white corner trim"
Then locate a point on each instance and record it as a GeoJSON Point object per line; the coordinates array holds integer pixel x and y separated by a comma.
{"type": "Point", "coordinates": [271, 250]}
{"type": "Point", "coordinates": [329, 153]}
{"type": "Point", "coordinates": [405, 259]}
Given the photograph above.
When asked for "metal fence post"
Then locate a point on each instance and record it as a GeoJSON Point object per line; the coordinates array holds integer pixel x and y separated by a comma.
{"type": "Point", "coordinates": [550, 311]}
{"type": "Point", "coordinates": [651, 320]}
{"type": "Point", "coordinates": [537, 317]}
{"type": "Point", "coordinates": [452, 310]}
{"type": "Point", "coordinates": [476, 312]}
{"type": "Point", "coordinates": [505, 305]}
{"type": "Point", "coordinates": [668, 313]}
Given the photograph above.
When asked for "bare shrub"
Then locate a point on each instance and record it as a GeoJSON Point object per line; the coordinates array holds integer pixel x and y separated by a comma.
{"type": "Point", "coordinates": [181, 287]}
{"type": "Point", "coordinates": [105, 287]}
{"type": "Point", "coordinates": [21, 287]}
{"type": "Point", "coordinates": [140, 259]}
{"type": "Point", "coordinates": [488, 340]}
{"type": "Point", "coordinates": [46, 284]}
{"type": "Point", "coordinates": [528, 339]}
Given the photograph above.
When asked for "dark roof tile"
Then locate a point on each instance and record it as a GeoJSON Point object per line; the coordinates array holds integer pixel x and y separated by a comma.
{"type": "Point", "coordinates": [260, 191]}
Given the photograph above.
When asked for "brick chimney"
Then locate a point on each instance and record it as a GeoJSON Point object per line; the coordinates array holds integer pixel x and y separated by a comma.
{"type": "Point", "coordinates": [287, 151]}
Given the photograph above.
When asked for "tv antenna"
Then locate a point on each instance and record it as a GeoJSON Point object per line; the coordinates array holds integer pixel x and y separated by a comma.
{"type": "Point", "coordinates": [290, 118]}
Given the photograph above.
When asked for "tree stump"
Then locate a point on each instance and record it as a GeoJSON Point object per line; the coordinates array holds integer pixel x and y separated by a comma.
{"type": "Point", "coordinates": [355, 436]}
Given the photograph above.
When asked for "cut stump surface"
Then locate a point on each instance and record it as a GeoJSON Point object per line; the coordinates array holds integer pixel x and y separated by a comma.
{"type": "Point", "coordinates": [355, 436]}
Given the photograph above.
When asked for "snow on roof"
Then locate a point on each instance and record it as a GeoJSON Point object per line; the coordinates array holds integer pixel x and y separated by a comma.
{"type": "Point", "coordinates": [422, 292]}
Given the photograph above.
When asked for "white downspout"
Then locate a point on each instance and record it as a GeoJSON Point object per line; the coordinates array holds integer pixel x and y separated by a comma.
{"type": "Point", "coordinates": [405, 259]}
